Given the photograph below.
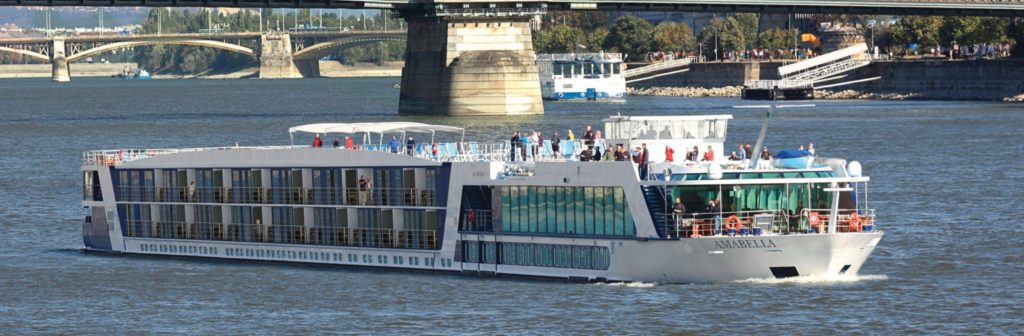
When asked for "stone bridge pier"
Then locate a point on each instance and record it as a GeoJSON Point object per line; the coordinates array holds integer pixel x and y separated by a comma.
{"type": "Point", "coordinates": [470, 66]}
{"type": "Point", "coordinates": [276, 57]}
{"type": "Point", "coordinates": [60, 69]}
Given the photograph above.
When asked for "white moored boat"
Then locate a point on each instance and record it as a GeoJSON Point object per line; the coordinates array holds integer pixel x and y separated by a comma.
{"type": "Point", "coordinates": [587, 76]}
{"type": "Point", "coordinates": [465, 207]}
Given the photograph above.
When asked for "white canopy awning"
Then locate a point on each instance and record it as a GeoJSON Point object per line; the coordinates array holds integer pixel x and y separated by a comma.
{"type": "Point", "coordinates": [382, 127]}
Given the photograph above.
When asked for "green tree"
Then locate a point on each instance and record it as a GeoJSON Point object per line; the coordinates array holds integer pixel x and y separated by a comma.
{"type": "Point", "coordinates": [595, 39]}
{"type": "Point", "coordinates": [673, 36]}
{"type": "Point", "coordinates": [745, 24]}
{"type": "Point", "coordinates": [776, 39]}
{"type": "Point", "coordinates": [558, 39]}
{"type": "Point", "coordinates": [630, 35]}
{"type": "Point", "coordinates": [923, 30]}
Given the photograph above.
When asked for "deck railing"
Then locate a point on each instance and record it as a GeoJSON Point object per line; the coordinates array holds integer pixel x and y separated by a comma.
{"type": "Point", "coordinates": [703, 224]}
{"type": "Point", "coordinates": [283, 234]}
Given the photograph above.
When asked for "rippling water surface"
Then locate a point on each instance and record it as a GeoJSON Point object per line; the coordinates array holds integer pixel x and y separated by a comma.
{"type": "Point", "coordinates": [946, 180]}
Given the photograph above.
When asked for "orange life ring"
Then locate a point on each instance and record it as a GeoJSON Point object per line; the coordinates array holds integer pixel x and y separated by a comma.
{"type": "Point", "coordinates": [854, 222]}
{"type": "Point", "coordinates": [733, 222]}
{"type": "Point", "coordinates": [813, 220]}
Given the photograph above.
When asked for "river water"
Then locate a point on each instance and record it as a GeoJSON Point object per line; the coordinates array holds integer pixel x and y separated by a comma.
{"type": "Point", "coordinates": [946, 180]}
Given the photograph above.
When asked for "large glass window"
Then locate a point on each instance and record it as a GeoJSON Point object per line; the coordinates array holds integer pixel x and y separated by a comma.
{"type": "Point", "coordinates": [580, 211]}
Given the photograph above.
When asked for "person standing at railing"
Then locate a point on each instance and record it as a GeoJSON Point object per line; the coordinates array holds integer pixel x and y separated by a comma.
{"type": "Point", "coordinates": [714, 212]}
{"type": "Point", "coordinates": [709, 155]}
{"type": "Point", "coordinates": [364, 189]}
{"type": "Point", "coordinates": [555, 141]}
{"type": "Point", "coordinates": [410, 147]}
{"type": "Point", "coordinates": [348, 143]}
{"type": "Point", "coordinates": [742, 154]}
{"type": "Point", "coordinates": [644, 160]}
{"type": "Point", "coordinates": [524, 141]}
{"type": "Point", "coordinates": [337, 143]}
{"type": "Point", "coordinates": [534, 143]}
{"type": "Point", "coordinates": [393, 144]}
{"type": "Point", "coordinates": [513, 146]}
{"type": "Point", "coordinates": [609, 154]}
{"type": "Point", "coordinates": [588, 138]}
{"type": "Point", "coordinates": [679, 210]}
{"type": "Point", "coordinates": [317, 143]}
{"type": "Point", "coordinates": [669, 153]}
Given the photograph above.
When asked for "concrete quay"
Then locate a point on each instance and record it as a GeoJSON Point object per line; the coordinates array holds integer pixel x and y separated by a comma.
{"type": "Point", "coordinates": [918, 79]}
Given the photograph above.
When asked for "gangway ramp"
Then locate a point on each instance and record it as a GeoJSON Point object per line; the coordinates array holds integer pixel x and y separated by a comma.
{"type": "Point", "coordinates": [658, 69]}
{"type": "Point", "coordinates": [827, 65]}
{"type": "Point", "coordinates": [798, 79]}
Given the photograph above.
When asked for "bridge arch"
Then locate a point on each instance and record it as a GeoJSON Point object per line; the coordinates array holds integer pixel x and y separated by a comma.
{"type": "Point", "coordinates": [322, 49]}
{"type": "Point", "coordinates": [151, 42]}
{"type": "Point", "coordinates": [31, 54]}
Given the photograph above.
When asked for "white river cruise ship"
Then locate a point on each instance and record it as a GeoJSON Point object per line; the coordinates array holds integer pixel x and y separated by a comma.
{"type": "Point", "coordinates": [536, 210]}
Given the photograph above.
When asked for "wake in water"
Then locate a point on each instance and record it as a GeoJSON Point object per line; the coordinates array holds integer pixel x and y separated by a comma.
{"type": "Point", "coordinates": [636, 284]}
{"type": "Point", "coordinates": [817, 279]}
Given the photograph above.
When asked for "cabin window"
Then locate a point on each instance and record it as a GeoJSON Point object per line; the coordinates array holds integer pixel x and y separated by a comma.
{"type": "Point", "coordinates": [91, 188]}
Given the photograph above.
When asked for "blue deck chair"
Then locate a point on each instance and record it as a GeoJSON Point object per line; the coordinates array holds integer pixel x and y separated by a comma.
{"type": "Point", "coordinates": [568, 149]}
{"type": "Point", "coordinates": [442, 151]}
{"type": "Point", "coordinates": [474, 151]}
{"type": "Point", "coordinates": [453, 149]}
{"type": "Point", "coordinates": [546, 151]}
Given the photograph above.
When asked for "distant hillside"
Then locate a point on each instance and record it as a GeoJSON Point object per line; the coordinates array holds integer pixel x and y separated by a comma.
{"type": "Point", "coordinates": [70, 17]}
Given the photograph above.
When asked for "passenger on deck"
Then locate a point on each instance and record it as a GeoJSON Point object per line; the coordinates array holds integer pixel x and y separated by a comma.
{"type": "Point", "coordinates": [714, 213]}
{"type": "Point", "coordinates": [434, 149]}
{"type": "Point", "coordinates": [609, 154]}
{"type": "Point", "coordinates": [364, 189]}
{"type": "Point", "coordinates": [765, 154]}
{"type": "Point", "coordinates": [317, 143]}
{"type": "Point", "coordinates": [534, 144]}
{"type": "Point", "coordinates": [669, 153]}
{"type": "Point", "coordinates": [693, 155]}
{"type": "Point", "coordinates": [679, 210]}
{"type": "Point", "coordinates": [742, 153]}
{"type": "Point", "coordinates": [734, 157]}
{"type": "Point", "coordinates": [555, 141]}
{"type": "Point", "coordinates": [348, 143]}
{"type": "Point", "coordinates": [524, 141]}
{"type": "Point", "coordinates": [644, 161]}
{"type": "Point", "coordinates": [586, 155]}
{"type": "Point", "coordinates": [620, 153]}
{"type": "Point", "coordinates": [513, 146]}
{"type": "Point", "coordinates": [571, 136]}
{"type": "Point", "coordinates": [588, 138]}
{"type": "Point", "coordinates": [810, 148]}
{"type": "Point", "coordinates": [393, 144]}
{"type": "Point", "coordinates": [597, 153]}
{"type": "Point", "coordinates": [337, 143]}
{"type": "Point", "coordinates": [665, 133]}
{"type": "Point", "coordinates": [749, 150]}
{"type": "Point", "coordinates": [410, 147]}
{"type": "Point", "coordinates": [709, 155]}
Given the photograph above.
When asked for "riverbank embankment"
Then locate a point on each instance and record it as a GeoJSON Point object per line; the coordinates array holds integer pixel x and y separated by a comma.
{"type": "Point", "coordinates": [993, 80]}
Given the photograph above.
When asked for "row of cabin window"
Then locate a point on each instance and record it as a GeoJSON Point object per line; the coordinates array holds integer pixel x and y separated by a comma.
{"type": "Point", "coordinates": [420, 227]}
{"type": "Point", "coordinates": [175, 181]}
{"type": "Point", "coordinates": [541, 255]}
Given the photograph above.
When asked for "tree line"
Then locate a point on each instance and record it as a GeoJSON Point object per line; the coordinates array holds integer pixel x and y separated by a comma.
{"type": "Point", "coordinates": [563, 32]}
